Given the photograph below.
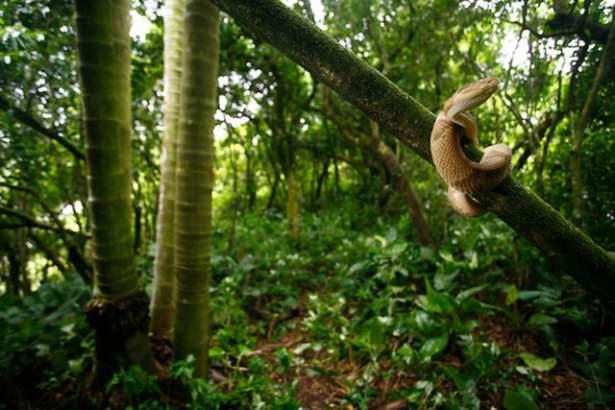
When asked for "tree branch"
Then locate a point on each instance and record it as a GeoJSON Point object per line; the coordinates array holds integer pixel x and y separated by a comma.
{"type": "Point", "coordinates": [29, 221]}
{"type": "Point", "coordinates": [579, 25]}
{"type": "Point", "coordinates": [30, 121]}
{"type": "Point", "coordinates": [411, 123]}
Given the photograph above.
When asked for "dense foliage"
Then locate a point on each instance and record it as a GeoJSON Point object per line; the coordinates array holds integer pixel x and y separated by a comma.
{"type": "Point", "coordinates": [327, 291]}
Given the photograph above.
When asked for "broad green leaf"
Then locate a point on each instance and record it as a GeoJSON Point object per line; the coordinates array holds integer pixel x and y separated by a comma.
{"type": "Point", "coordinates": [457, 378]}
{"type": "Point", "coordinates": [473, 260]}
{"type": "Point", "coordinates": [540, 319]}
{"type": "Point", "coordinates": [216, 352]}
{"type": "Point", "coordinates": [470, 292]}
{"type": "Point", "coordinates": [444, 281]}
{"type": "Point", "coordinates": [447, 256]}
{"type": "Point", "coordinates": [437, 302]}
{"type": "Point", "coordinates": [512, 294]}
{"type": "Point", "coordinates": [405, 351]}
{"type": "Point", "coordinates": [424, 322]}
{"type": "Point", "coordinates": [537, 363]}
{"type": "Point", "coordinates": [434, 346]}
{"type": "Point", "coordinates": [427, 253]}
{"type": "Point", "coordinates": [519, 400]}
{"type": "Point", "coordinates": [358, 267]}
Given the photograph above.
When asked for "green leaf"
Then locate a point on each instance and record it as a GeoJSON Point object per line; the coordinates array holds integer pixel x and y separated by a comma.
{"type": "Point", "coordinates": [519, 400]}
{"type": "Point", "coordinates": [438, 302]}
{"type": "Point", "coordinates": [405, 352]}
{"type": "Point", "coordinates": [444, 281]}
{"type": "Point", "coordinates": [433, 346]}
{"type": "Point", "coordinates": [537, 363]}
{"type": "Point", "coordinates": [512, 294]}
{"type": "Point", "coordinates": [470, 292]}
{"type": "Point", "coordinates": [427, 254]}
{"type": "Point", "coordinates": [424, 323]}
{"type": "Point", "coordinates": [216, 352]}
{"type": "Point", "coordinates": [540, 319]}
{"type": "Point", "coordinates": [473, 260]}
{"type": "Point", "coordinates": [457, 378]}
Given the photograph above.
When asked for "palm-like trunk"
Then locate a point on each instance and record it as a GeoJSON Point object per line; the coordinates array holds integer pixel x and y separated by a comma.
{"type": "Point", "coordinates": [292, 204]}
{"type": "Point", "coordinates": [118, 310]}
{"type": "Point", "coordinates": [163, 297]}
{"type": "Point", "coordinates": [195, 180]}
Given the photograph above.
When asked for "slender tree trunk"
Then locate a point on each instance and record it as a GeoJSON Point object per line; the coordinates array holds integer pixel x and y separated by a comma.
{"type": "Point", "coordinates": [322, 178]}
{"type": "Point", "coordinates": [118, 309]}
{"type": "Point", "coordinates": [163, 297]}
{"type": "Point", "coordinates": [404, 186]}
{"type": "Point", "coordinates": [540, 160]}
{"type": "Point", "coordinates": [581, 123]}
{"type": "Point", "coordinates": [22, 255]}
{"type": "Point", "coordinates": [273, 192]}
{"type": "Point", "coordinates": [193, 231]}
{"type": "Point", "coordinates": [138, 230]}
{"type": "Point", "coordinates": [293, 213]}
{"type": "Point", "coordinates": [14, 282]}
{"type": "Point", "coordinates": [250, 180]}
{"type": "Point", "coordinates": [411, 123]}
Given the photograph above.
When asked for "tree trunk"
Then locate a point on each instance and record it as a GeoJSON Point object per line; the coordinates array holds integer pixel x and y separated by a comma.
{"type": "Point", "coordinates": [193, 231]}
{"type": "Point", "coordinates": [411, 123]}
{"type": "Point", "coordinates": [293, 213]}
{"type": "Point", "coordinates": [163, 296]}
{"type": "Point", "coordinates": [404, 186]}
{"type": "Point", "coordinates": [581, 123]}
{"type": "Point", "coordinates": [118, 309]}
{"type": "Point", "coordinates": [322, 178]}
{"type": "Point", "coordinates": [273, 192]}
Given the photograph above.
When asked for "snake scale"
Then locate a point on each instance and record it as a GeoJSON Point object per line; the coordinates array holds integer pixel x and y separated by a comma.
{"type": "Point", "coordinates": [454, 126]}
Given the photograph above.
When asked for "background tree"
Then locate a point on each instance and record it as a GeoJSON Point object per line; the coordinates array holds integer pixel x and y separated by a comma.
{"type": "Point", "coordinates": [194, 178]}
{"type": "Point", "coordinates": [163, 298]}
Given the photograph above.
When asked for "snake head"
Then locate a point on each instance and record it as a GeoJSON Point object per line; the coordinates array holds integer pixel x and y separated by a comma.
{"type": "Point", "coordinates": [470, 96]}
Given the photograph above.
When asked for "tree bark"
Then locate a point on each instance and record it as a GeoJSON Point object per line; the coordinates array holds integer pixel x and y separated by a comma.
{"type": "Point", "coordinates": [411, 123]}
{"type": "Point", "coordinates": [292, 205]}
{"type": "Point", "coordinates": [163, 297]}
{"type": "Point", "coordinates": [118, 309]}
{"type": "Point", "coordinates": [404, 186]}
{"type": "Point", "coordinates": [194, 176]}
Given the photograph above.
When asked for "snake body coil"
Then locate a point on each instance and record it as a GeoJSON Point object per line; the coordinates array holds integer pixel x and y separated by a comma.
{"type": "Point", "coordinates": [462, 175]}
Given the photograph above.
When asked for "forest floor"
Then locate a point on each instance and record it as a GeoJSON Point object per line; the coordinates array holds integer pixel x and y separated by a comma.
{"type": "Point", "coordinates": [560, 389]}
{"type": "Point", "coordinates": [355, 316]}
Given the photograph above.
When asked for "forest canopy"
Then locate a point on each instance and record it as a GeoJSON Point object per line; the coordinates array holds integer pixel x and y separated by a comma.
{"type": "Point", "coordinates": [256, 204]}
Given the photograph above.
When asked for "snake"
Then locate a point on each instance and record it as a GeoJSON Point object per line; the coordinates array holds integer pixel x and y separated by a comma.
{"type": "Point", "coordinates": [455, 126]}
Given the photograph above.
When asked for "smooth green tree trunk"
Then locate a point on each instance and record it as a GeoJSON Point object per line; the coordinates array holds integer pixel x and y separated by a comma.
{"type": "Point", "coordinates": [163, 297]}
{"type": "Point", "coordinates": [119, 308]}
{"type": "Point", "coordinates": [194, 178]}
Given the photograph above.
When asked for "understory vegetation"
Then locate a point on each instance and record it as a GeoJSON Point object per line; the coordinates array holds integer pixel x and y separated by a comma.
{"type": "Point", "coordinates": [353, 316]}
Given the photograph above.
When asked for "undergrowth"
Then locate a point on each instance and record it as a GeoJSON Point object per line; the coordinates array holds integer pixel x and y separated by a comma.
{"type": "Point", "coordinates": [355, 315]}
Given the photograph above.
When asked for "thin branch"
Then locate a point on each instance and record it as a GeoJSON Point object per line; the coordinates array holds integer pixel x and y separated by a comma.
{"type": "Point", "coordinates": [538, 34]}
{"type": "Point", "coordinates": [29, 221]}
{"type": "Point", "coordinates": [30, 121]}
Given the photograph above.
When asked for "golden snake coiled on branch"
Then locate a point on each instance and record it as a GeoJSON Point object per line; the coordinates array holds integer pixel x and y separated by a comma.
{"type": "Point", "coordinates": [462, 175]}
